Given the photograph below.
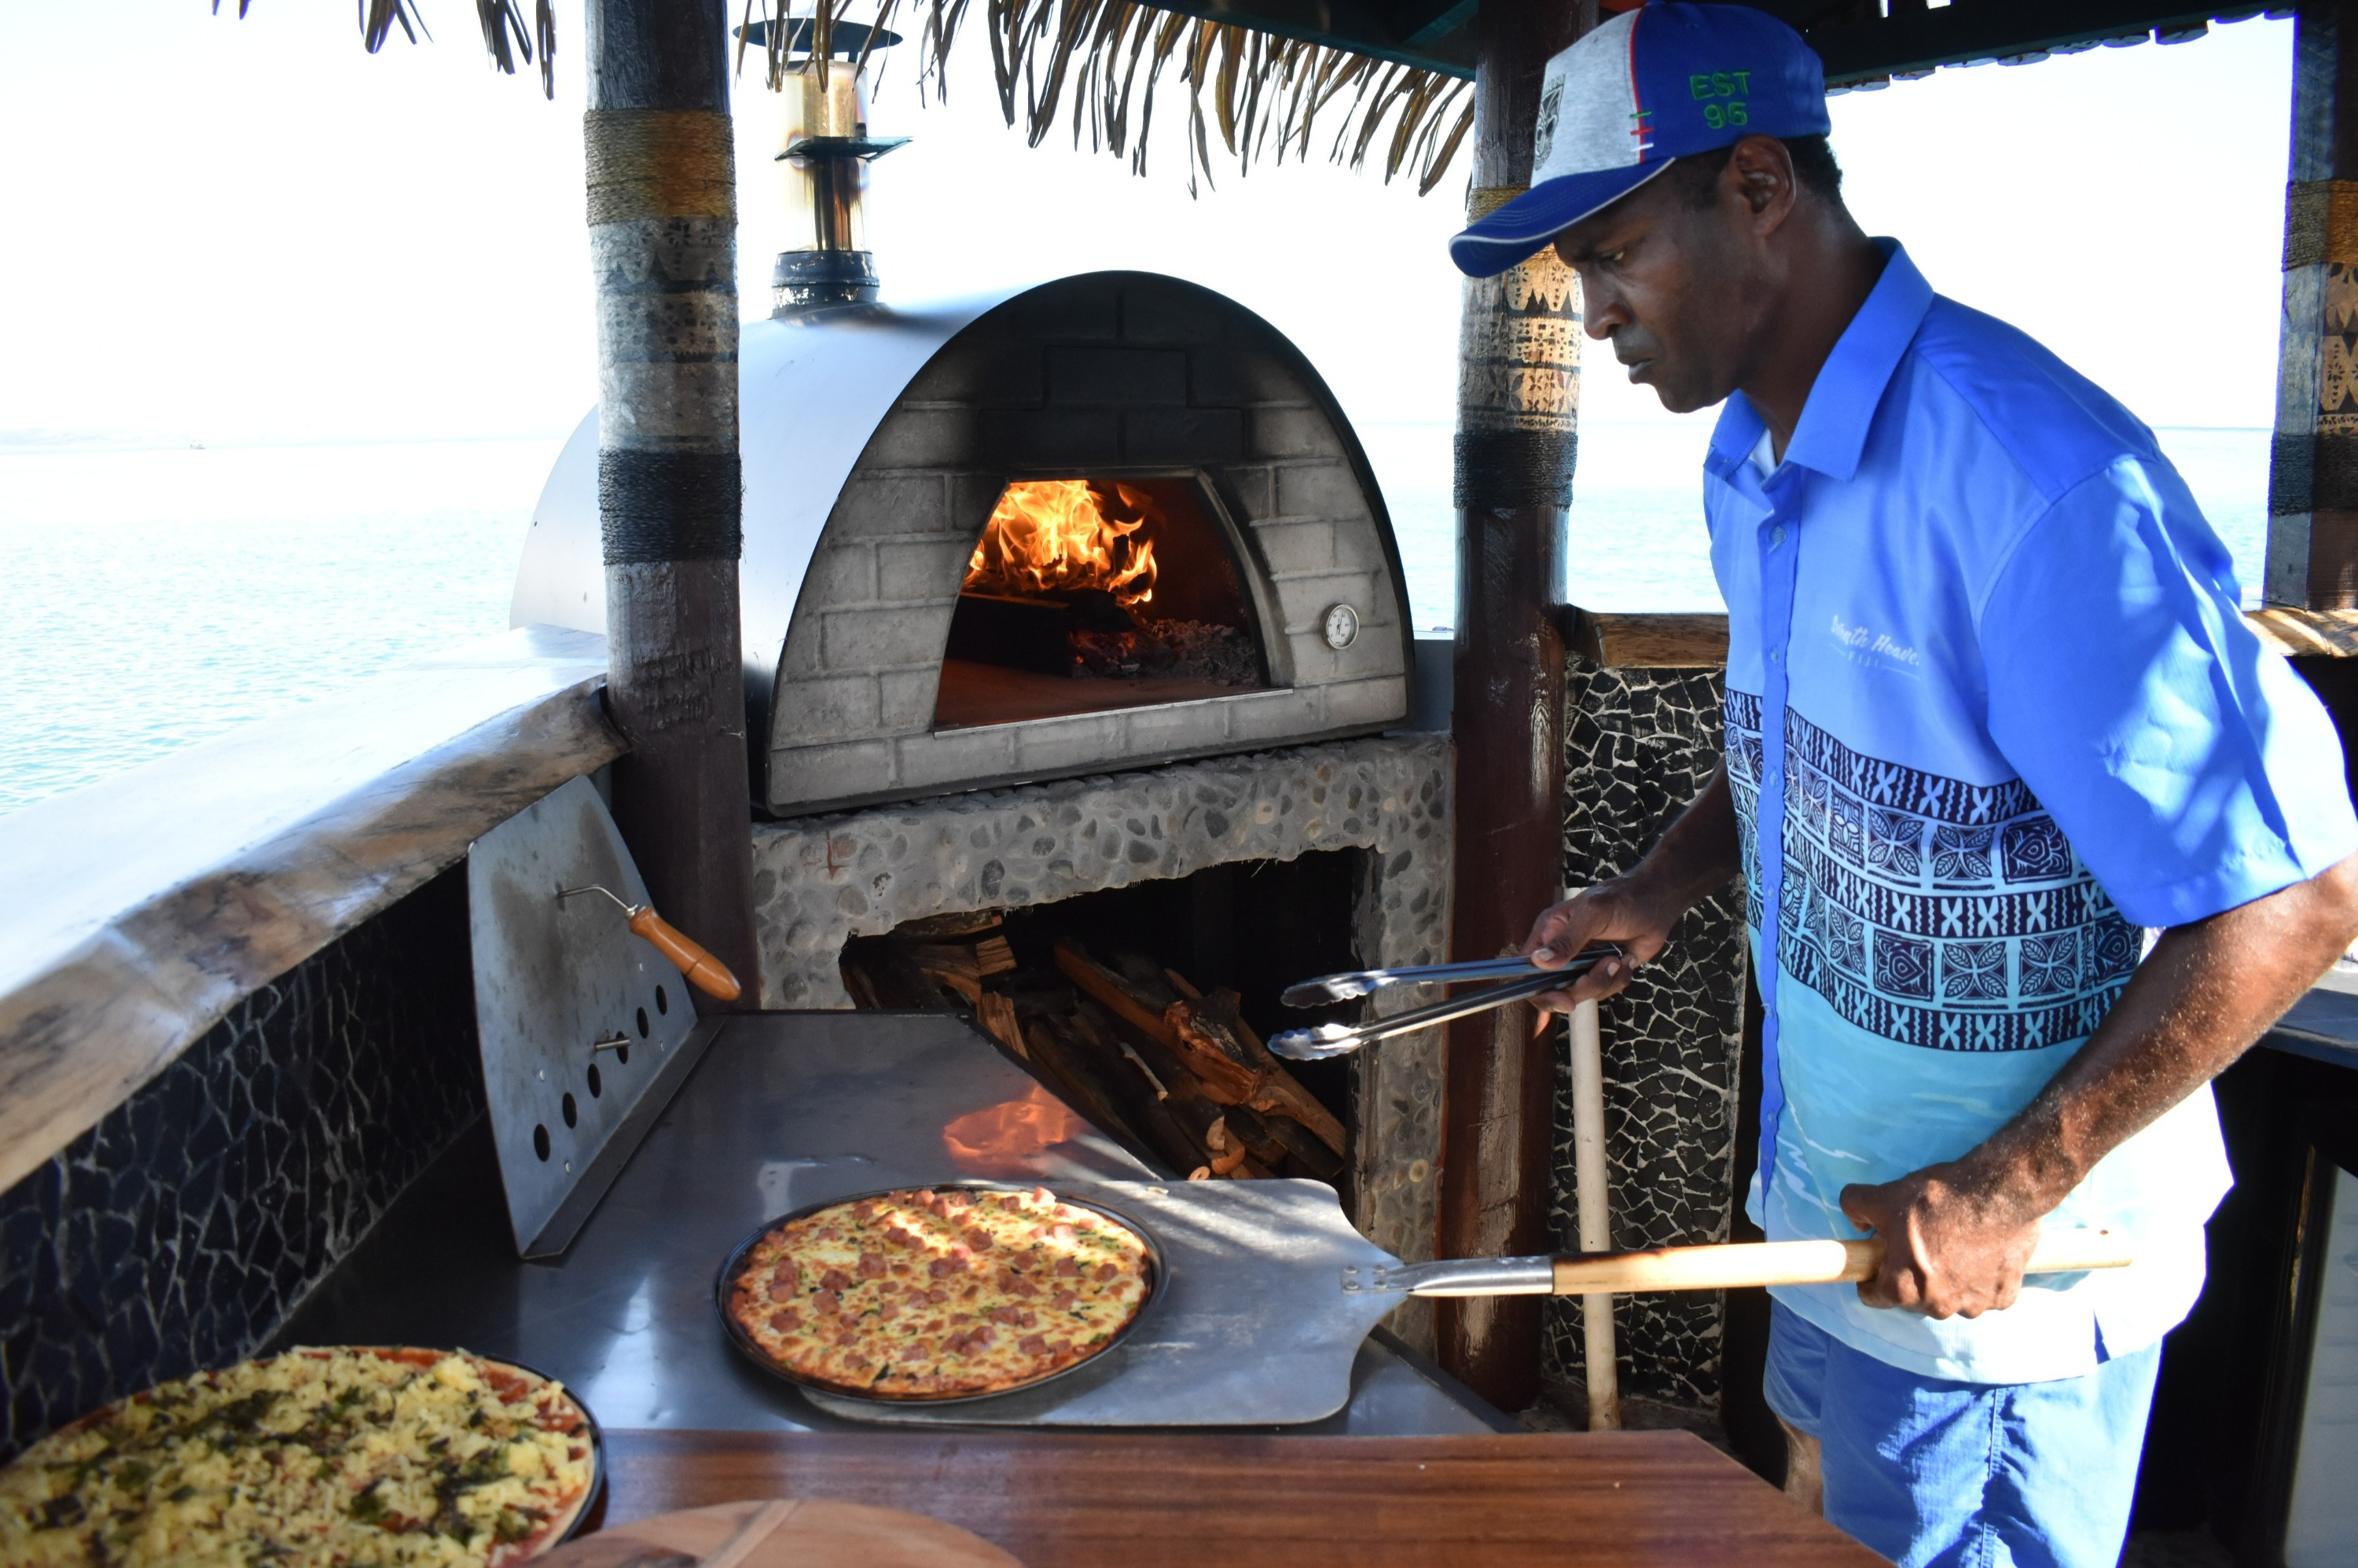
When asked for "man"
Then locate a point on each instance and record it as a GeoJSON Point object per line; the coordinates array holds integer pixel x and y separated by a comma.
{"type": "Point", "coordinates": [1991, 709]}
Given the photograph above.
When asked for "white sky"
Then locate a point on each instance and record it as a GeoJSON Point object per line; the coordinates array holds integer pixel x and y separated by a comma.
{"type": "Point", "coordinates": [235, 231]}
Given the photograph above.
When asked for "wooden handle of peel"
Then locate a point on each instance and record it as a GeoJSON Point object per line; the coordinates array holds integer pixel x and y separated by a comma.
{"type": "Point", "coordinates": [705, 972]}
{"type": "Point", "coordinates": [1738, 1264]}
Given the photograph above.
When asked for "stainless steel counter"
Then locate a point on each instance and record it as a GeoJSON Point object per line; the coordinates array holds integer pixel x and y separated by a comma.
{"type": "Point", "coordinates": [783, 1109]}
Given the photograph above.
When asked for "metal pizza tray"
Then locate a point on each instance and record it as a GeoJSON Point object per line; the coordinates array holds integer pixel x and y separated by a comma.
{"type": "Point", "coordinates": [1252, 1324]}
{"type": "Point", "coordinates": [1158, 1278]}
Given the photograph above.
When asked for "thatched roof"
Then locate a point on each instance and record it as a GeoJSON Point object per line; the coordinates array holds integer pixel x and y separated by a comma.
{"type": "Point", "coordinates": [1351, 81]}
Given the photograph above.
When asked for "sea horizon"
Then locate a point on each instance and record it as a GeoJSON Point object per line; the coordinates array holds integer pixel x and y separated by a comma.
{"type": "Point", "coordinates": [168, 592]}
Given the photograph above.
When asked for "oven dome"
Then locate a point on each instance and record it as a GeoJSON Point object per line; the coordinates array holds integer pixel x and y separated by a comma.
{"type": "Point", "coordinates": [878, 442]}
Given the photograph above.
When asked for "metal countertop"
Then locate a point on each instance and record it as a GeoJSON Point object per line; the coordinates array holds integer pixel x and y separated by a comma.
{"type": "Point", "coordinates": [783, 1109]}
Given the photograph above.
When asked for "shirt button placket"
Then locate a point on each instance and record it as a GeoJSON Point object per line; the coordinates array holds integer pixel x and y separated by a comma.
{"type": "Point", "coordinates": [1779, 558]}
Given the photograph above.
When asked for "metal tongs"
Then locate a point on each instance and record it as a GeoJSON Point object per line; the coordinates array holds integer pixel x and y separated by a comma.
{"type": "Point", "coordinates": [1520, 978]}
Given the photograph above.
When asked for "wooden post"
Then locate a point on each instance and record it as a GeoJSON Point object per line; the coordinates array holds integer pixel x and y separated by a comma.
{"type": "Point", "coordinates": [2313, 470]}
{"type": "Point", "coordinates": [1517, 389]}
{"type": "Point", "coordinates": [662, 242]}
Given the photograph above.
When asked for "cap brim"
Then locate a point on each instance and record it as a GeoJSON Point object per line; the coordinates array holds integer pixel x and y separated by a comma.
{"type": "Point", "coordinates": [1523, 228]}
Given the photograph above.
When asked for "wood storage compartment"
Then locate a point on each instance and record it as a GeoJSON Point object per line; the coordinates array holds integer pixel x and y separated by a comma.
{"type": "Point", "coordinates": [1094, 593]}
{"type": "Point", "coordinates": [1145, 1009]}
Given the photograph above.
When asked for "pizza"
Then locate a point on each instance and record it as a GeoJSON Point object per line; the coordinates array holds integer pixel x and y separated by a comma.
{"type": "Point", "coordinates": [938, 1292]}
{"type": "Point", "coordinates": [347, 1456]}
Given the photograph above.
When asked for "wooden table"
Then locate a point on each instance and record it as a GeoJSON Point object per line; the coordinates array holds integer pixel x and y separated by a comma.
{"type": "Point", "coordinates": [1122, 1500]}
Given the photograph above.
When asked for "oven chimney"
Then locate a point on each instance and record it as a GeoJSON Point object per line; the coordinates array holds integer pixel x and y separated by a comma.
{"type": "Point", "coordinates": [823, 149]}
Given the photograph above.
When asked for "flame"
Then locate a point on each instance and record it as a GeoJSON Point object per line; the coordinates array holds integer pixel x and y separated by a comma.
{"type": "Point", "coordinates": [1011, 1130]}
{"type": "Point", "coordinates": [1049, 533]}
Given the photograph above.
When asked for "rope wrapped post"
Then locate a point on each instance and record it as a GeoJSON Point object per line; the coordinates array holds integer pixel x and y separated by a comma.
{"type": "Point", "coordinates": [2313, 470]}
{"type": "Point", "coordinates": [663, 244]}
{"type": "Point", "coordinates": [1517, 387]}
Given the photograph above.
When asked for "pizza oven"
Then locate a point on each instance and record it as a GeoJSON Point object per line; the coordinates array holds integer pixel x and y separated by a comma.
{"type": "Point", "coordinates": [1108, 522]}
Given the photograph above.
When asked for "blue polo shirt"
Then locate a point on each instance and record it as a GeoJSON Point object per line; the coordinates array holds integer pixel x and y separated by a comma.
{"type": "Point", "coordinates": [1992, 709]}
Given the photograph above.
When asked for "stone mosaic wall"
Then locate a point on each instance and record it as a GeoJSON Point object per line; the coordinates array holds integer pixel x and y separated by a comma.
{"type": "Point", "coordinates": [1640, 745]}
{"type": "Point", "coordinates": [177, 1233]}
{"type": "Point", "coordinates": [819, 881]}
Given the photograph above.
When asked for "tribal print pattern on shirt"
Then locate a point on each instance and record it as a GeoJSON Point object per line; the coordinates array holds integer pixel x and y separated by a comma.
{"type": "Point", "coordinates": [1925, 910]}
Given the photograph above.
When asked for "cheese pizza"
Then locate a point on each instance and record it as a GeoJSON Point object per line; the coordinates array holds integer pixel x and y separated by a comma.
{"type": "Point", "coordinates": [938, 1292]}
{"type": "Point", "coordinates": [343, 1456]}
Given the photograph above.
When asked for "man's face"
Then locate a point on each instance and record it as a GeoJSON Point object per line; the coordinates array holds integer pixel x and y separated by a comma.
{"type": "Point", "coordinates": [1674, 288]}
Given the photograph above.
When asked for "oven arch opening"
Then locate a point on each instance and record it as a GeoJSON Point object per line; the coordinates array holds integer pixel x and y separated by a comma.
{"type": "Point", "coordinates": [1099, 589]}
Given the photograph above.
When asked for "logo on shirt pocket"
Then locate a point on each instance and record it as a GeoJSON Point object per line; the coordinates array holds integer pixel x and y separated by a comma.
{"type": "Point", "coordinates": [1878, 649]}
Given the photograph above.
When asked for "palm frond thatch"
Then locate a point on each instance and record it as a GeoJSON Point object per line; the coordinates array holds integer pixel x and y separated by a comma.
{"type": "Point", "coordinates": [1263, 95]}
{"type": "Point", "coordinates": [504, 36]}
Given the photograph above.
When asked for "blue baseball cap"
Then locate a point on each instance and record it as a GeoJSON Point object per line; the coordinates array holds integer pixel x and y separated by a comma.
{"type": "Point", "coordinates": [1639, 92]}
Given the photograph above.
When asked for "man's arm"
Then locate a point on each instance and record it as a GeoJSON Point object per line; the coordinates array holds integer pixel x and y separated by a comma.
{"type": "Point", "coordinates": [1959, 1233]}
{"type": "Point", "coordinates": [1698, 855]}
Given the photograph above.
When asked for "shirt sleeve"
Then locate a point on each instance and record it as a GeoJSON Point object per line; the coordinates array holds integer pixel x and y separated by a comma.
{"type": "Point", "coordinates": [2191, 770]}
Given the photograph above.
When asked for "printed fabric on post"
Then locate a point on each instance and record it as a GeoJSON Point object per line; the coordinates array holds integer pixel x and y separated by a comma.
{"type": "Point", "coordinates": [1992, 709]}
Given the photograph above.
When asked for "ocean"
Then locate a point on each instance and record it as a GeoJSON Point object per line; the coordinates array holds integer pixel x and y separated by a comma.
{"type": "Point", "coordinates": [159, 596]}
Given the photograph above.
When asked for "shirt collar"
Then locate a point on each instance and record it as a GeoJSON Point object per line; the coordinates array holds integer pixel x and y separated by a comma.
{"type": "Point", "coordinates": [1850, 384]}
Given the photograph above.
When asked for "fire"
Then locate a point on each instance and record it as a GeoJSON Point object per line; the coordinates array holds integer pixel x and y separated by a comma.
{"type": "Point", "coordinates": [1013, 1129]}
{"type": "Point", "coordinates": [1050, 533]}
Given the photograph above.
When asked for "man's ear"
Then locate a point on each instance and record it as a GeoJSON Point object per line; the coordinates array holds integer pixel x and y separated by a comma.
{"type": "Point", "coordinates": [1761, 174]}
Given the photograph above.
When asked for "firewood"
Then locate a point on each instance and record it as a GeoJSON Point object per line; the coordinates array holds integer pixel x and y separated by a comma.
{"type": "Point", "coordinates": [1303, 1146]}
{"type": "Point", "coordinates": [1212, 1053]}
{"type": "Point", "coordinates": [863, 989]}
{"type": "Point", "coordinates": [895, 983]}
{"type": "Point", "coordinates": [992, 956]}
{"type": "Point", "coordinates": [1081, 1085]}
{"type": "Point", "coordinates": [997, 1014]}
{"type": "Point", "coordinates": [1260, 1132]}
{"type": "Point", "coordinates": [1157, 1133]}
{"type": "Point", "coordinates": [1108, 989]}
{"type": "Point", "coordinates": [1281, 1091]}
{"type": "Point", "coordinates": [933, 928]}
{"type": "Point", "coordinates": [1170, 1074]}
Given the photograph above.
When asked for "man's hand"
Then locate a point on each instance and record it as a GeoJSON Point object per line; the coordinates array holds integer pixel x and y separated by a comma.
{"type": "Point", "coordinates": [1620, 912]}
{"type": "Point", "coordinates": [1697, 854]}
{"type": "Point", "coordinates": [1957, 1235]}
{"type": "Point", "coordinates": [1950, 1248]}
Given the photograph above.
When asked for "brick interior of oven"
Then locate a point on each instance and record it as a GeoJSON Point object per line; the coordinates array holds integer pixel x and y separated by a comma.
{"type": "Point", "coordinates": [1082, 641]}
{"type": "Point", "coordinates": [1244, 930]}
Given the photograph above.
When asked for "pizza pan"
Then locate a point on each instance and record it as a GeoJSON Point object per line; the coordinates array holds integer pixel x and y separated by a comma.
{"type": "Point", "coordinates": [1158, 1276]}
{"type": "Point", "coordinates": [392, 1352]}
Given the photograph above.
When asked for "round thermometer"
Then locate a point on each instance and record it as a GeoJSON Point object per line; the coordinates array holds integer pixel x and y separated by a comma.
{"type": "Point", "coordinates": [1342, 626]}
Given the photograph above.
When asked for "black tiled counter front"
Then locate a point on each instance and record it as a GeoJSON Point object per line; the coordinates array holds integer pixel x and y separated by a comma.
{"type": "Point", "coordinates": [179, 1231]}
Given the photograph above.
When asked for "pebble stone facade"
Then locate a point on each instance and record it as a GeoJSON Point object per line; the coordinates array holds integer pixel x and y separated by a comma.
{"type": "Point", "coordinates": [1639, 745]}
{"type": "Point", "coordinates": [819, 881]}
{"type": "Point", "coordinates": [177, 1233]}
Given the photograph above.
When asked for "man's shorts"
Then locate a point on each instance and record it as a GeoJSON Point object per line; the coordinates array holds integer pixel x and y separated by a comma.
{"type": "Point", "coordinates": [1934, 1473]}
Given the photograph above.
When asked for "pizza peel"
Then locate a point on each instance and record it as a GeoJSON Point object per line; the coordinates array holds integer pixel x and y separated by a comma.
{"type": "Point", "coordinates": [1267, 1293]}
